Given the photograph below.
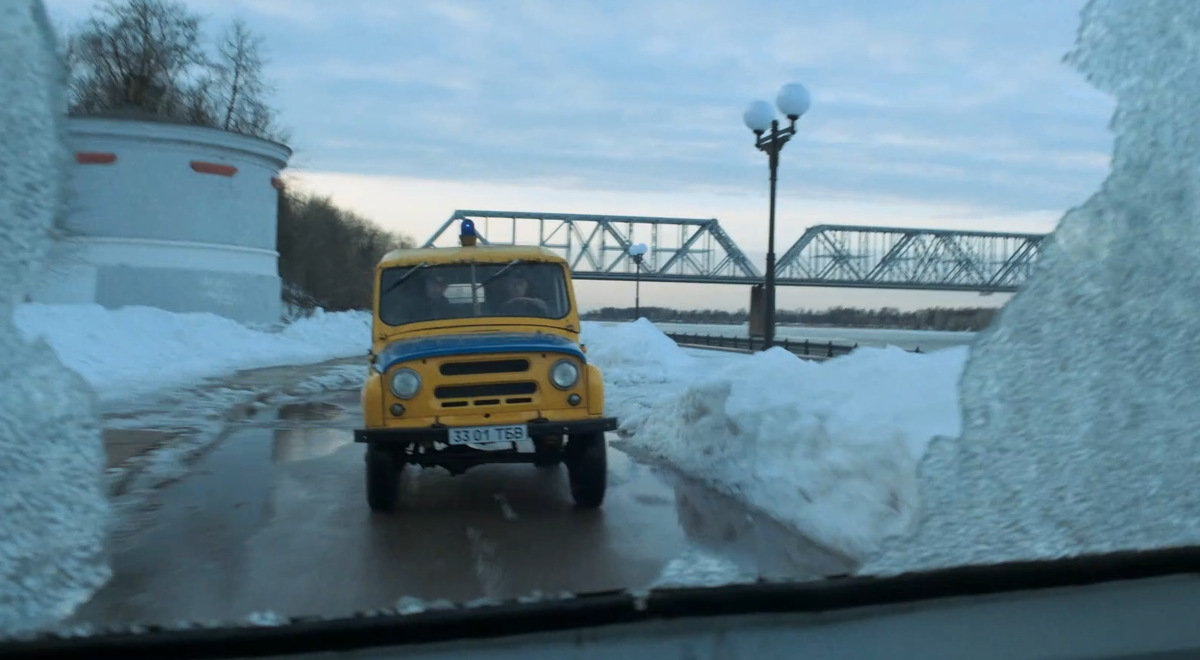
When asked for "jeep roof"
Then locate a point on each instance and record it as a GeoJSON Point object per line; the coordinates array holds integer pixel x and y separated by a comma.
{"type": "Point", "coordinates": [478, 253]}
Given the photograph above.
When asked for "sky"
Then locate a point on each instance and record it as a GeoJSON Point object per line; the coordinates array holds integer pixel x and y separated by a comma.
{"type": "Point", "coordinates": [925, 113]}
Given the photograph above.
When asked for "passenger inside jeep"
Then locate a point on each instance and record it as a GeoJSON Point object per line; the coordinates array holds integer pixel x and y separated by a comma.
{"type": "Point", "coordinates": [436, 304]}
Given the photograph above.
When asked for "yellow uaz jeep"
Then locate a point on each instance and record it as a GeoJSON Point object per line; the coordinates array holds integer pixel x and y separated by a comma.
{"type": "Point", "coordinates": [476, 359]}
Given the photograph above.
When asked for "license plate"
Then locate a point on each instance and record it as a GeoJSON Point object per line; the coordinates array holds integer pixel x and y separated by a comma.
{"type": "Point", "coordinates": [486, 435]}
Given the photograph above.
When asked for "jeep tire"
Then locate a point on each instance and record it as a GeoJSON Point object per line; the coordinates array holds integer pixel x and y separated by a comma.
{"type": "Point", "coordinates": [587, 469]}
{"type": "Point", "coordinates": [383, 480]}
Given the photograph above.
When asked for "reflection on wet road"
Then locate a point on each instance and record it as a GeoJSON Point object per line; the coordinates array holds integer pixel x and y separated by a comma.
{"type": "Point", "coordinates": [275, 518]}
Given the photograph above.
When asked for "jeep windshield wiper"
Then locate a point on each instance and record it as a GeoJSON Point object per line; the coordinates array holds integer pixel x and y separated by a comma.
{"type": "Point", "coordinates": [407, 274]}
{"type": "Point", "coordinates": [495, 276]}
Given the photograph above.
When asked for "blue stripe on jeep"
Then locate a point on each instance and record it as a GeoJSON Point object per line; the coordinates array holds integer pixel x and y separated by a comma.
{"type": "Point", "coordinates": [405, 350]}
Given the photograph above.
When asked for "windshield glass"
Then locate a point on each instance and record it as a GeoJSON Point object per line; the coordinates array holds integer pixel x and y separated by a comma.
{"type": "Point", "coordinates": [844, 334]}
{"type": "Point", "coordinates": [473, 290]}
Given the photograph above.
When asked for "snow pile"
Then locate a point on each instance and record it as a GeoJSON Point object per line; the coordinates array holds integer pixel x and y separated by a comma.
{"type": "Point", "coordinates": [642, 367]}
{"type": "Point", "coordinates": [829, 448]}
{"type": "Point", "coordinates": [53, 511]}
{"type": "Point", "coordinates": [133, 350]}
{"type": "Point", "coordinates": [1080, 403]}
{"type": "Point", "coordinates": [635, 353]}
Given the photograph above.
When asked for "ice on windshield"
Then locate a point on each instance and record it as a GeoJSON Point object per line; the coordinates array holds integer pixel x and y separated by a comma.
{"type": "Point", "coordinates": [1080, 404]}
{"type": "Point", "coordinates": [461, 291]}
{"type": "Point", "coordinates": [54, 512]}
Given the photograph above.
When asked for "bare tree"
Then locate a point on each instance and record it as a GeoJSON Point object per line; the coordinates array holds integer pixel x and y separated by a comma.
{"type": "Point", "coordinates": [136, 54]}
{"type": "Point", "coordinates": [146, 57]}
{"type": "Point", "coordinates": [198, 107]}
{"type": "Point", "coordinates": [327, 255]}
{"type": "Point", "coordinates": [238, 68]}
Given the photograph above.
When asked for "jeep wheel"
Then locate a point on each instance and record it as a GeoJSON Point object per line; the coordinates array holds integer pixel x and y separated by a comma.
{"type": "Point", "coordinates": [383, 481]}
{"type": "Point", "coordinates": [587, 469]}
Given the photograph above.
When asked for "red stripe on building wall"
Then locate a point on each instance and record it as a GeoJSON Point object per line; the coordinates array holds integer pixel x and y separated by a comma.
{"type": "Point", "coordinates": [94, 158]}
{"type": "Point", "coordinates": [276, 183]}
{"type": "Point", "coordinates": [213, 168]}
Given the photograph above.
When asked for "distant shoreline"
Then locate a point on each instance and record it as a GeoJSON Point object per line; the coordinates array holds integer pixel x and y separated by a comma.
{"type": "Point", "coordinates": [934, 319]}
{"type": "Point", "coordinates": [824, 326]}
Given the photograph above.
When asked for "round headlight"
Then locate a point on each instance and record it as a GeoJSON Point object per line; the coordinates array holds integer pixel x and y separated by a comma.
{"type": "Point", "coordinates": [405, 383]}
{"type": "Point", "coordinates": [564, 374]}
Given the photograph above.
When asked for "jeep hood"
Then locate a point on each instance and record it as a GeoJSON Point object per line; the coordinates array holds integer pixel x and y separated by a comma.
{"type": "Point", "coordinates": [466, 344]}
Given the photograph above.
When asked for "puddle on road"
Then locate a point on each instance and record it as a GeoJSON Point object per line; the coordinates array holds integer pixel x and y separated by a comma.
{"type": "Point", "coordinates": [300, 430]}
{"type": "Point", "coordinates": [295, 431]}
{"type": "Point", "coordinates": [302, 444]}
{"type": "Point", "coordinates": [121, 445]}
{"type": "Point", "coordinates": [311, 411]}
{"type": "Point", "coordinates": [652, 500]}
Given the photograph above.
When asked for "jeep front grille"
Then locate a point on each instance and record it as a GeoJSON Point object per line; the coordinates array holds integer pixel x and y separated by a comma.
{"type": "Point", "coordinates": [486, 389]}
{"type": "Point", "coordinates": [514, 366]}
{"type": "Point", "coordinates": [487, 402]}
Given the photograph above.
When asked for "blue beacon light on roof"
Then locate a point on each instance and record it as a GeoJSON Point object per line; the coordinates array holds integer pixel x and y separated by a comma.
{"type": "Point", "coordinates": [466, 234]}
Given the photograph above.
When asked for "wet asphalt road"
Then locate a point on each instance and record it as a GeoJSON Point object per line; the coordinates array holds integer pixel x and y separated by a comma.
{"type": "Point", "coordinates": [274, 517]}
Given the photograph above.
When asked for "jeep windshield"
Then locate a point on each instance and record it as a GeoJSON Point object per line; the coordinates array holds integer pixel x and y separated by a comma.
{"type": "Point", "coordinates": [418, 293]}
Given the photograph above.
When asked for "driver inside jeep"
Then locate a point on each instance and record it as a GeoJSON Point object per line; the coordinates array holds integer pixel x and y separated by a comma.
{"type": "Point", "coordinates": [518, 301]}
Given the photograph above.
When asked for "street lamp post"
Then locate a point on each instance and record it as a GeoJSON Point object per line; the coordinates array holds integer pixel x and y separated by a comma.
{"type": "Point", "coordinates": [793, 101]}
{"type": "Point", "coordinates": [637, 252]}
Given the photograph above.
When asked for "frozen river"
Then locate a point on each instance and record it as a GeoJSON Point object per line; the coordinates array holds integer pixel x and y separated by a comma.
{"type": "Point", "coordinates": [926, 340]}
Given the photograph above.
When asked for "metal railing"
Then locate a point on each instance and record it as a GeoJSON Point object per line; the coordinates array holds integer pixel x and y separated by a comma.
{"type": "Point", "coordinates": [805, 349]}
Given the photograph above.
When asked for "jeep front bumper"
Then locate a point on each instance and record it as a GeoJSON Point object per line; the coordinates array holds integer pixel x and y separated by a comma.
{"type": "Point", "coordinates": [426, 435]}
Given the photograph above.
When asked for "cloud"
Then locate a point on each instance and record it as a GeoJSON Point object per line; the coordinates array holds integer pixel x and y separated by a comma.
{"type": "Point", "coordinates": [964, 103]}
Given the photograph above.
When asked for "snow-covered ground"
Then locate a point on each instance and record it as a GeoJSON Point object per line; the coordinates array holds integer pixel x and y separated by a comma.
{"type": "Point", "coordinates": [135, 350]}
{"type": "Point", "coordinates": [829, 448]}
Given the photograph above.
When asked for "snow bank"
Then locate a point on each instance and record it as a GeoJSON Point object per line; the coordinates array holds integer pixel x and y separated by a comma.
{"type": "Point", "coordinates": [53, 510]}
{"type": "Point", "coordinates": [641, 365]}
{"type": "Point", "coordinates": [635, 353]}
{"type": "Point", "coordinates": [830, 448]}
{"type": "Point", "coordinates": [132, 350]}
{"type": "Point", "coordinates": [1080, 403]}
